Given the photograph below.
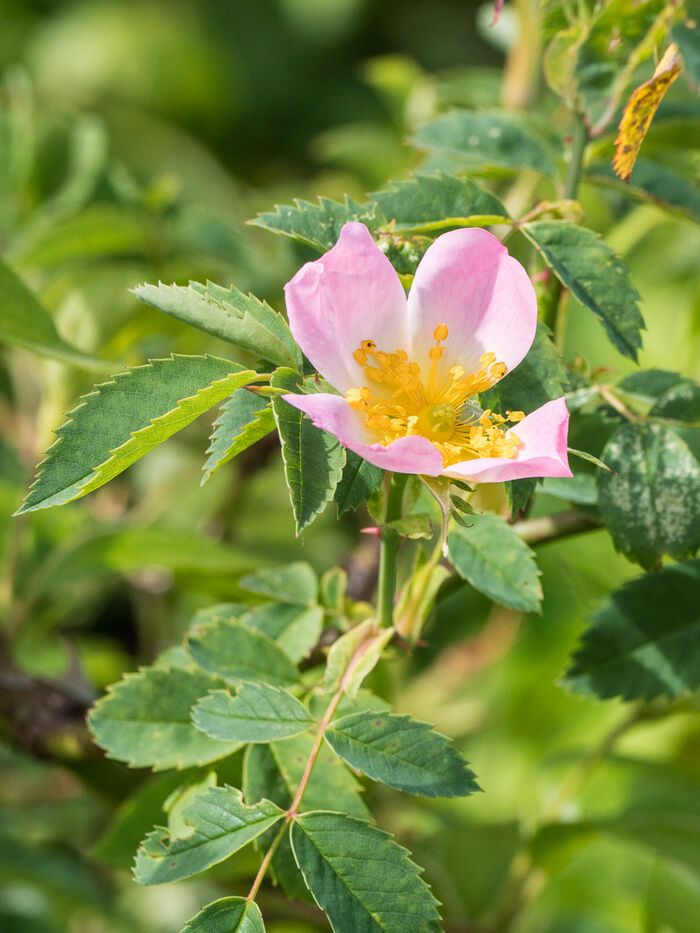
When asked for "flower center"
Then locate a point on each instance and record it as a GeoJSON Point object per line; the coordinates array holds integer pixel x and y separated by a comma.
{"type": "Point", "coordinates": [399, 403]}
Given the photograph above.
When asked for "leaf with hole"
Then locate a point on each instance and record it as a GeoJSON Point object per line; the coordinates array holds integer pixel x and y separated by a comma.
{"type": "Point", "coordinates": [221, 825]}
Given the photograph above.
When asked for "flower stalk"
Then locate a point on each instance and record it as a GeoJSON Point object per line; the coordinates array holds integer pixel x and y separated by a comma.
{"type": "Point", "coordinates": [388, 555]}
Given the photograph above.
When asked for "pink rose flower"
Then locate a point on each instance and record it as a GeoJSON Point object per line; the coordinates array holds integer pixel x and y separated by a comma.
{"type": "Point", "coordinates": [410, 369]}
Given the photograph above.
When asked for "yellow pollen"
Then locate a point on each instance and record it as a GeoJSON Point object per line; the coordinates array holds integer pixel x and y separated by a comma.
{"type": "Point", "coordinates": [398, 403]}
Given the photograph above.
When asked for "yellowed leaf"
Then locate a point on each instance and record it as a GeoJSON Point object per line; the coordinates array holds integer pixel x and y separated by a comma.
{"type": "Point", "coordinates": [640, 110]}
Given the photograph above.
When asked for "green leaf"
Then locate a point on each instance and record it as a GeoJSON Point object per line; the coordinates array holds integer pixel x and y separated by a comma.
{"type": "Point", "coordinates": [595, 276]}
{"type": "Point", "coordinates": [580, 488]}
{"type": "Point", "coordinates": [435, 202]}
{"type": "Point", "coordinates": [359, 480]}
{"type": "Point", "coordinates": [650, 384]}
{"type": "Point", "coordinates": [687, 37]}
{"type": "Point", "coordinates": [333, 585]}
{"type": "Point", "coordinates": [623, 34]}
{"type": "Point", "coordinates": [25, 322]}
{"type": "Point", "coordinates": [519, 493]}
{"type": "Point", "coordinates": [538, 379]}
{"type": "Point", "coordinates": [125, 418]}
{"type": "Point", "coordinates": [222, 824]}
{"type": "Point", "coordinates": [413, 526]}
{"type": "Point", "coordinates": [488, 139]}
{"type": "Point", "coordinates": [295, 629]}
{"type": "Point", "coordinates": [651, 507]}
{"type": "Point", "coordinates": [242, 320]}
{"type": "Point", "coordinates": [235, 653]}
{"type": "Point", "coordinates": [645, 642]}
{"type": "Point", "coordinates": [294, 583]}
{"type": "Point", "coordinates": [354, 655]}
{"type": "Point", "coordinates": [258, 713]}
{"type": "Point", "coordinates": [319, 224]}
{"type": "Point", "coordinates": [403, 753]}
{"type": "Point", "coordinates": [145, 720]}
{"type": "Point", "coordinates": [492, 557]}
{"type": "Point", "coordinates": [681, 403]}
{"type": "Point", "coordinates": [227, 915]}
{"type": "Point", "coordinates": [651, 182]}
{"type": "Point", "coordinates": [313, 459]}
{"type": "Point", "coordinates": [243, 421]}
{"type": "Point", "coordinates": [275, 771]}
{"type": "Point", "coordinates": [361, 878]}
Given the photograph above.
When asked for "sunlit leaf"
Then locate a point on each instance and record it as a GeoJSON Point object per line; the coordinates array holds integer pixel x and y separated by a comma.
{"type": "Point", "coordinates": [313, 459]}
{"type": "Point", "coordinates": [651, 504]}
{"type": "Point", "coordinates": [125, 418]}
{"type": "Point", "coordinates": [318, 224]}
{"type": "Point", "coordinates": [244, 420]}
{"type": "Point", "coordinates": [595, 275]}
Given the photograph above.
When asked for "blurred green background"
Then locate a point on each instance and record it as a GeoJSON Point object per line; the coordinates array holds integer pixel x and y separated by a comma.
{"type": "Point", "coordinates": [136, 137]}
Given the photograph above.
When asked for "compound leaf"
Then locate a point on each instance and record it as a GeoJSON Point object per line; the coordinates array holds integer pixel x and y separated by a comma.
{"type": "Point", "coordinates": [359, 480]}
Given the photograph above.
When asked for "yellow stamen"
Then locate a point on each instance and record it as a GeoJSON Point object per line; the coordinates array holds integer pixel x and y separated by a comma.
{"type": "Point", "coordinates": [397, 403]}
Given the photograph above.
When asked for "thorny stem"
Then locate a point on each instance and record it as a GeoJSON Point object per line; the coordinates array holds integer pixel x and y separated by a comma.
{"type": "Point", "coordinates": [291, 813]}
{"type": "Point", "coordinates": [386, 584]}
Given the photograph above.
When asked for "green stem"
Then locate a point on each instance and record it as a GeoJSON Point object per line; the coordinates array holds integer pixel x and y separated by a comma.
{"type": "Point", "coordinates": [578, 146]}
{"type": "Point", "coordinates": [554, 314]}
{"type": "Point", "coordinates": [291, 813]}
{"type": "Point", "coordinates": [386, 584]}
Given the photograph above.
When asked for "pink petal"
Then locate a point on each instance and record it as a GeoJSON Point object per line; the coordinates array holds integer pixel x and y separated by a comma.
{"type": "Point", "coordinates": [332, 413]}
{"type": "Point", "coordinates": [350, 294]}
{"type": "Point", "coordinates": [542, 452]}
{"type": "Point", "coordinates": [467, 280]}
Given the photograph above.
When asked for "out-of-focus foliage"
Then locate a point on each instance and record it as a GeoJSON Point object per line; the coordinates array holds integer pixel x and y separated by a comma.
{"type": "Point", "coordinates": [136, 138]}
